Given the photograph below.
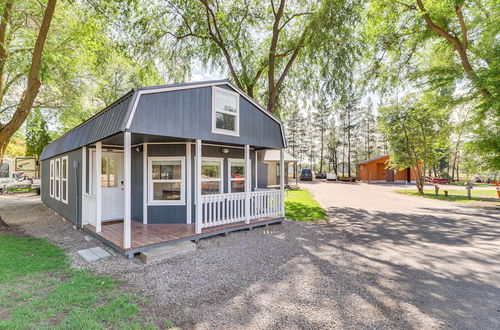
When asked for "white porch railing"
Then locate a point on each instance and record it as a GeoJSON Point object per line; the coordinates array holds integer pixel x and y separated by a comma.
{"type": "Point", "coordinates": [223, 209]}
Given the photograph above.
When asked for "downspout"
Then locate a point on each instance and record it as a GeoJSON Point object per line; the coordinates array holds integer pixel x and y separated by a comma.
{"type": "Point", "coordinates": [78, 208]}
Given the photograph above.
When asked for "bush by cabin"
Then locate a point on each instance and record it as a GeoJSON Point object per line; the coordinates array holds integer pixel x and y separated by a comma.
{"type": "Point", "coordinates": [166, 164]}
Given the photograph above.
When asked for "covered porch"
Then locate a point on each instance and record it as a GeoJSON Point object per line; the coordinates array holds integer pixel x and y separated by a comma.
{"type": "Point", "coordinates": [197, 214]}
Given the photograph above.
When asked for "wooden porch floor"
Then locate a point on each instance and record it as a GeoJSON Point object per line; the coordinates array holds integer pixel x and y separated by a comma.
{"type": "Point", "coordinates": [148, 236]}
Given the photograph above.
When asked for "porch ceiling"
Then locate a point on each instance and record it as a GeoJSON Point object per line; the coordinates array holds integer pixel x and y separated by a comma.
{"type": "Point", "coordinates": [145, 138]}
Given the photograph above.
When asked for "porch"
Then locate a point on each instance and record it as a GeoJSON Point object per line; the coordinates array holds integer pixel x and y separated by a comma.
{"type": "Point", "coordinates": [149, 236]}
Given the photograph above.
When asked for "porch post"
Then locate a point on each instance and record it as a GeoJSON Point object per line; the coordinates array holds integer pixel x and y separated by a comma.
{"type": "Point", "coordinates": [189, 204]}
{"type": "Point", "coordinates": [248, 182]}
{"type": "Point", "coordinates": [98, 196]}
{"type": "Point", "coordinates": [145, 183]}
{"type": "Point", "coordinates": [282, 180]}
{"type": "Point", "coordinates": [198, 187]}
{"type": "Point", "coordinates": [127, 150]}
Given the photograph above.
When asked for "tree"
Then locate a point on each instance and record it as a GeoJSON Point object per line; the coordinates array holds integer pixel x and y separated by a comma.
{"type": "Point", "coordinates": [321, 118]}
{"type": "Point", "coordinates": [417, 131]}
{"type": "Point", "coordinates": [37, 134]}
{"type": "Point", "coordinates": [259, 43]}
{"type": "Point", "coordinates": [33, 81]}
{"type": "Point", "coordinates": [428, 45]}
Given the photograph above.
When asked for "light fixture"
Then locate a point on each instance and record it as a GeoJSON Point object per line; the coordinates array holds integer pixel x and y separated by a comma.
{"type": "Point", "coordinates": [225, 150]}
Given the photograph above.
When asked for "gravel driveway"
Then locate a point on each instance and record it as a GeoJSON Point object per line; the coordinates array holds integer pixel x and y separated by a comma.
{"type": "Point", "coordinates": [382, 260]}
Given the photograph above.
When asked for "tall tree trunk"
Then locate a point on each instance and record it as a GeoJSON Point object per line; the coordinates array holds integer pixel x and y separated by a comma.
{"type": "Point", "coordinates": [349, 142]}
{"type": "Point", "coordinates": [321, 152]}
{"type": "Point", "coordinates": [33, 81]}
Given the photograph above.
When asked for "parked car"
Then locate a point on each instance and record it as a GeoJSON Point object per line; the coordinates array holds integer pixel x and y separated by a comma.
{"type": "Point", "coordinates": [321, 176]}
{"type": "Point", "coordinates": [331, 177]}
{"type": "Point", "coordinates": [306, 175]}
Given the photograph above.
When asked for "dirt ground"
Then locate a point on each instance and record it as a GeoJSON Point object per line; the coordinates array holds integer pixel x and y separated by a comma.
{"type": "Point", "coordinates": [382, 260]}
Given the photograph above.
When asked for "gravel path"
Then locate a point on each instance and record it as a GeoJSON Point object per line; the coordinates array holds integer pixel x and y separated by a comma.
{"type": "Point", "coordinates": [382, 261]}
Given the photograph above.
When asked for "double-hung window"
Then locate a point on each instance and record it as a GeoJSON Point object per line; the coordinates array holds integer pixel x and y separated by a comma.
{"type": "Point", "coordinates": [166, 180]}
{"type": "Point", "coordinates": [57, 184]}
{"type": "Point", "coordinates": [51, 188]}
{"type": "Point", "coordinates": [225, 112]}
{"type": "Point", "coordinates": [236, 175]}
{"type": "Point", "coordinates": [64, 179]}
{"type": "Point", "coordinates": [211, 176]}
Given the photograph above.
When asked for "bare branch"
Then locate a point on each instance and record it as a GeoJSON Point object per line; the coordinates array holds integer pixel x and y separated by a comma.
{"type": "Point", "coordinates": [292, 17]}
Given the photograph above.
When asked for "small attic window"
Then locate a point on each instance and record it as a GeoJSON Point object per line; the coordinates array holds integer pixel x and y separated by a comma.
{"type": "Point", "coordinates": [225, 112]}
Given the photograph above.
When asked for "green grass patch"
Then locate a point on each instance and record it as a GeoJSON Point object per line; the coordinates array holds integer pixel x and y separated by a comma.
{"type": "Point", "coordinates": [300, 205]}
{"type": "Point", "coordinates": [474, 184]}
{"type": "Point", "coordinates": [39, 290]}
{"type": "Point", "coordinates": [20, 189]}
{"type": "Point", "coordinates": [457, 195]}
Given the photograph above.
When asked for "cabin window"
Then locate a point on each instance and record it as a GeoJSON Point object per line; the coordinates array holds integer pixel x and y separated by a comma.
{"type": "Point", "coordinates": [211, 176]}
{"type": "Point", "coordinates": [57, 184]}
{"type": "Point", "coordinates": [166, 180]}
{"type": "Point", "coordinates": [225, 111]}
{"type": "Point", "coordinates": [64, 179]}
{"type": "Point", "coordinates": [51, 185]}
{"type": "Point", "coordinates": [236, 175]}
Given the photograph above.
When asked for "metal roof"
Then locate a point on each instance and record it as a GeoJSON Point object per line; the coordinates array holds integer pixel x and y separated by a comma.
{"type": "Point", "coordinates": [370, 160]}
{"type": "Point", "coordinates": [273, 155]}
{"type": "Point", "coordinates": [118, 116]}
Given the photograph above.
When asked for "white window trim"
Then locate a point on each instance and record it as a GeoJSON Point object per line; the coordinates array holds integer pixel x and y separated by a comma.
{"type": "Point", "coordinates": [64, 182]}
{"type": "Point", "coordinates": [182, 201]}
{"type": "Point", "coordinates": [221, 179]}
{"type": "Point", "coordinates": [235, 114]}
{"type": "Point", "coordinates": [52, 178]}
{"type": "Point", "coordinates": [229, 178]}
{"type": "Point", "coordinates": [57, 180]}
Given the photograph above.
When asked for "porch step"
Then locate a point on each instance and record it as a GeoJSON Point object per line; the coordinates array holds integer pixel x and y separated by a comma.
{"type": "Point", "coordinates": [167, 251]}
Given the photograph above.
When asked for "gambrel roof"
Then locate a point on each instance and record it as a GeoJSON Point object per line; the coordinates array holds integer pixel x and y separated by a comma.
{"type": "Point", "coordinates": [154, 102]}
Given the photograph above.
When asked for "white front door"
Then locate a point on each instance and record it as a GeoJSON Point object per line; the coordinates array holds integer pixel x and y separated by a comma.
{"type": "Point", "coordinates": [111, 185]}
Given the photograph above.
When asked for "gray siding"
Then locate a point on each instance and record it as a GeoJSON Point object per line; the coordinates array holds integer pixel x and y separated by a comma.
{"type": "Point", "coordinates": [72, 210]}
{"type": "Point", "coordinates": [188, 114]}
{"type": "Point", "coordinates": [106, 123]}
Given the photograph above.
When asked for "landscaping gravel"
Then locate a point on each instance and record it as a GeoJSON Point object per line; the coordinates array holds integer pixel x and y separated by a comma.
{"type": "Point", "coordinates": [386, 261]}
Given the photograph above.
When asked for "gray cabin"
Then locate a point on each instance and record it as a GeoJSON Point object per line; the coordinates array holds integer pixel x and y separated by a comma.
{"type": "Point", "coordinates": [165, 164]}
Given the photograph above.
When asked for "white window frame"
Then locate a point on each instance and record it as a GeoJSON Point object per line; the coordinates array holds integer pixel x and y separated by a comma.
{"type": "Point", "coordinates": [64, 181]}
{"type": "Point", "coordinates": [236, 114]}
{"type": "Point", "coordinates": [52, 179]}
{"type": "Point", "coordinates": [182, 180]}
{"type": "Point", "coordinates": [229, 178]}
{"type": "Point", "coordinates": [57, 171]}
{"type": "Point", "coordinates": [221, 179]}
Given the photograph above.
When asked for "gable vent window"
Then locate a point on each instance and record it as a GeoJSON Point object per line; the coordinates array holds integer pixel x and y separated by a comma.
{"type": "Point", "coordinates": [225, 112]}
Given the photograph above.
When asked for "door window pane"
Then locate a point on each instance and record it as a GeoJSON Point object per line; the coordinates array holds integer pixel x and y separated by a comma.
{"type": "Point", "coordinates": [167, 170]}
{"type": "Point", "coordinates": [166, 191]}
{"type": "Point", "coordinates": [109, 174]}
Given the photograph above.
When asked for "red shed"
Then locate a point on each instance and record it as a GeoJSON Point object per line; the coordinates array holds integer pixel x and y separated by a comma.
{"type": "Point", "coordinates": [377, 169]}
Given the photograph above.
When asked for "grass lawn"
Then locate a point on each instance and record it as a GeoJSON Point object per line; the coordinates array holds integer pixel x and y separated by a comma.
{"type": "Point", "coordinates": [457, 195]}
{"type": "Point", "coordinates": [474, 184]}
{"type": "Point", "coordinates": [39, 290]}
{"type": "Point", "coordinates": [300, 205]}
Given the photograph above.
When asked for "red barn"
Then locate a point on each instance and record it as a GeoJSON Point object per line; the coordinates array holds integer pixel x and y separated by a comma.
{"type": "Point", "coordinates": [377, 169]}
